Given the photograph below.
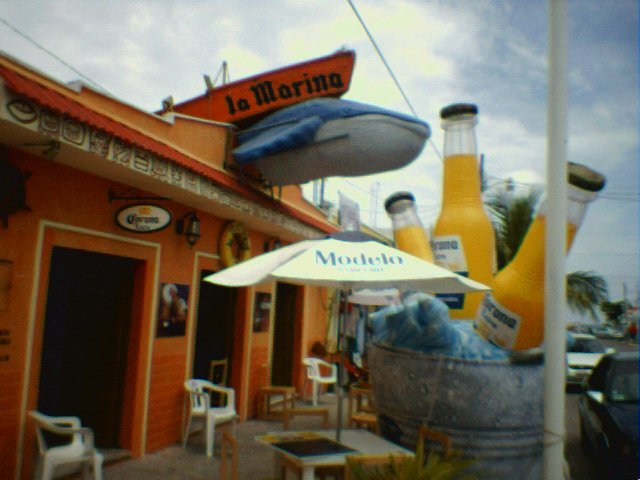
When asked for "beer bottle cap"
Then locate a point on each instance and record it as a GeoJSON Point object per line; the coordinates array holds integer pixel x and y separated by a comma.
{"type": "Point", "coordinates": [458, 109]}
{"type": "Point", "coordinates": [395, 197]}
{"type": "Point", "coordinates": [583, 177]}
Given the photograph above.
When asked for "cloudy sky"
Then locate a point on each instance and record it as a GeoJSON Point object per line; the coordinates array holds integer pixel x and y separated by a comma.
{"type": "Point", "coordinates": [489, 52]}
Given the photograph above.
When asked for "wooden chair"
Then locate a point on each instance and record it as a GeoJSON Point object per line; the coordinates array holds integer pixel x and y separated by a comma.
{"type": "Point", "coordinates": [425, 432]}
{"type": "Point", "coordinates": [361, 410]}
{"type": "Point", "coordinates": [283, 396]}
{"type": "Point", "coordinates": [290, 413]}
{"type": "Point", "coordinates": [332, 471]}
{"type": "Point", "coordinates": [218, 375]}
{"type": "Point", "coordinates": [218, 371]}
{"type": "Point", "coordinates": [369, 462]}
{"type": "Point", "coordinates": [228, 457]}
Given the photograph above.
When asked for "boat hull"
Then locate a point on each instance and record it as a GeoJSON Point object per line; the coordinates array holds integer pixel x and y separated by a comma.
{"type": "Point", "coordinates": [348, 147]}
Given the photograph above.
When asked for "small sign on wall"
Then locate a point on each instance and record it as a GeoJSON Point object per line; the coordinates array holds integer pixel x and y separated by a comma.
{"type": "Point", "coordinates": [261, 312]}
{"type": "Point", "coordinates": [173, 310]}
{"type": "Point", "coordinates": [143, 218]}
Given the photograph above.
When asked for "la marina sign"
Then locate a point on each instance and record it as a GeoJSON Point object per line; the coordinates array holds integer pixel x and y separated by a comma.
{"type": "Point", "coordinates": [263, 93]}
{"type": "Point", "coordinates": [143, 218]}
{"type": "Point", "coordinates": [328, 76]}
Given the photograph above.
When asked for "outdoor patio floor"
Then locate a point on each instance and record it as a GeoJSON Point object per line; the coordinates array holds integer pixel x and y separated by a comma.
{"type": "Point", "coordinates": [255, 460]}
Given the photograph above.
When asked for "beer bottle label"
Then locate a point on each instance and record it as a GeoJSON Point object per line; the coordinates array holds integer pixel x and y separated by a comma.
{"type": "Point", "coordinates": [496, 323]}
{"type": "Point", "coordinates": [448, 252]}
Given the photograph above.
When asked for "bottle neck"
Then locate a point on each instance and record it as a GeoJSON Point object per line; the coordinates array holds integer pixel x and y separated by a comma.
{"type": "Point", "coordinates": [461, 180]}
{"type": "Point", "coordinates": [405, 218]}
{"type": "Point", "coordinates": [529, 260]}
{"type": "Point", "coordinates": [577, 202]}
{"type": "Point", "coordinates": [460, 135]}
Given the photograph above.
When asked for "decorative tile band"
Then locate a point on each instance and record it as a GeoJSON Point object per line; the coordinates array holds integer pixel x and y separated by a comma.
{"type": "Point", "coordinates": [61, 128]}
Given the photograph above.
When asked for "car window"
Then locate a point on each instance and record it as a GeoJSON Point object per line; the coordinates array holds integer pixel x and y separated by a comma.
{"type": "Point", "coordinates": [597, 379]}
{"type": "Point", "coordinates": [585, 345]}
{"type": "Point", "coordinates": [623, 386]}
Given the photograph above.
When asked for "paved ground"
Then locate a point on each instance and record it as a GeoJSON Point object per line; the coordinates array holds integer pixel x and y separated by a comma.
{"type": "Point", "coordinates": [256, 461]}
{"type": "Point", "coordinates": [177, 463]}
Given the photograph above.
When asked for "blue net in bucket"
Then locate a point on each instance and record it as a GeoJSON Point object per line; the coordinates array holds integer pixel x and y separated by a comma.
{"type": "Point", "coordinates": [422, 323]}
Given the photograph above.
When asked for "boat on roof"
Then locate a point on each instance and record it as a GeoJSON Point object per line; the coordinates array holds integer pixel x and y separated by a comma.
{"type": "Point", "coordinates": [330, 137]}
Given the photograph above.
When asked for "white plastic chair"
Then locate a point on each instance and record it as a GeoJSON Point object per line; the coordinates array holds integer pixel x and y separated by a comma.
{"type": "Point", "coordinates": [200, 408]}
{"type": "Point", "coordinates": [79, 450]}
{"type": "Point", "coordinates": [320, 373]}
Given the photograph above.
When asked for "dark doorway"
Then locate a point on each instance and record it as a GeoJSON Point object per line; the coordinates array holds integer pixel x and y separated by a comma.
{"type": "Point", "coordinates": [284, 334]}
{"type": "Point", "coordinates": [215, 323]}
{"type": "Point", "coordinates": [86, 338]}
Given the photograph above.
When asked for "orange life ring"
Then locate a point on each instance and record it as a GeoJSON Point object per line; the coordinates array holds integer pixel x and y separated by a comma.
{"type": "Point", "coordinates": [231, 233]}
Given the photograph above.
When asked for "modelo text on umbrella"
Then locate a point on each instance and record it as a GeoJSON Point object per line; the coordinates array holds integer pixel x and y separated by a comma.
{"type": "Point", "coordinates": [357, 260]}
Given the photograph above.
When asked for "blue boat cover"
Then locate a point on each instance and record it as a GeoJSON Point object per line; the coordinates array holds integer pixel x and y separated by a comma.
{"type": "Point", "coordinates": [296, 126]}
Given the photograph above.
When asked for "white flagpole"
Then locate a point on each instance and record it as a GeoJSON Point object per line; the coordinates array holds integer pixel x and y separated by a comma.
{"type": "Point", "coordinates": [555, 243]}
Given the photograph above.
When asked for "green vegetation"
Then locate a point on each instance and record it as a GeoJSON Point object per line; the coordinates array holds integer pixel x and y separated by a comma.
{"type": "Point", "coordinates": [434, 467]}
{"type": "Point", "coordinates": [615, 312]}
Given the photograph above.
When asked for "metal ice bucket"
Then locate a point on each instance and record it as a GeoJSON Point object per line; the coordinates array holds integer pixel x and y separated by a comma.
{"type": "Point", "coordinates": [492, 410]}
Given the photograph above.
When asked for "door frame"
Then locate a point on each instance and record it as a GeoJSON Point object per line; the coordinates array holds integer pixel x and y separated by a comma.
{"type": "Point", "coordinates": [102, 332]}
{"type": "Point", "coordinates": [55, 234]}
{"type": "Point", "coordinates": [239, 381]}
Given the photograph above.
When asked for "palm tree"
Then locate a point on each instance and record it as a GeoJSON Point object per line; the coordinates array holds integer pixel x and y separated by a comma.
{"type": "Point", "coordinates": [511, 216]}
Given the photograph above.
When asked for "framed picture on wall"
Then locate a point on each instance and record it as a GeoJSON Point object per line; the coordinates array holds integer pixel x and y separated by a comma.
{"type": "Point", "coordinates": [172, 310]}
{"type": "Point", "coordinates": [261, 312]}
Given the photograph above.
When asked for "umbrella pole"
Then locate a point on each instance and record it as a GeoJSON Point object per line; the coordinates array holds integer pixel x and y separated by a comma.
{"type": "Point", "coordinates": [342, 340]}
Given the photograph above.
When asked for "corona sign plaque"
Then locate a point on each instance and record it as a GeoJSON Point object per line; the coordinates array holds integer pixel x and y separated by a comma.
{"type": "Point", "coordinates": [143, 218]}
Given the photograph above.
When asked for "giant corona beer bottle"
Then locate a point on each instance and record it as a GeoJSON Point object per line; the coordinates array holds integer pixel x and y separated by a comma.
{"type": "Point", "coordinates": [463, 237]}
{"type": "Point", "coordinates": [408, 232]}
{"type": "Point", "coordinates": [512, 314]}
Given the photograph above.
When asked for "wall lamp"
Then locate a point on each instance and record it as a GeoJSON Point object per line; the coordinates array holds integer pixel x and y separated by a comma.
{"type": "Point", "coordinates": [189, 226]}
{"type": "Point", "coordinates": [272, 243]}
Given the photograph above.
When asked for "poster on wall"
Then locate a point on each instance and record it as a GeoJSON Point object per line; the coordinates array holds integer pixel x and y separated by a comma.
{"type": "Point", "coordinates": [172, 311]}
{"type": "Point", "coordinates": [261, 312]}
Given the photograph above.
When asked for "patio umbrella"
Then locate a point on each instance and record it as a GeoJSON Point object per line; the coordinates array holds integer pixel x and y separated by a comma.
{"type": "Point", "coordinates": [347, 261]}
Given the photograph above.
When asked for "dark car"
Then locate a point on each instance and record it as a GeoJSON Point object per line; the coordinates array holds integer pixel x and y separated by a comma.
{"type": "Point", "coordinates": [608, 410]}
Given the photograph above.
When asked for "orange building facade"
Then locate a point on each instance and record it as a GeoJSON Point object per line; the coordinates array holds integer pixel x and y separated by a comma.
{"type": "Point", "coordinates": [91, 192]}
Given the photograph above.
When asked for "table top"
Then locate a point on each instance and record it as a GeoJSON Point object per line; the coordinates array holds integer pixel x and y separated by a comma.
{"type": "Point", "coordinates": [360, 440]}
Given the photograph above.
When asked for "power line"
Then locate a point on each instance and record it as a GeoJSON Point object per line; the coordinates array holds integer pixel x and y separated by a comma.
{"type": "Point", "coordinates": [49, 52]}
{"type": "Point", "coordinates": [388, 67]}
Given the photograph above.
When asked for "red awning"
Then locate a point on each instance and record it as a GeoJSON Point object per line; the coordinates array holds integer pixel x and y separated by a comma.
{"type": "Point", "coordinates": [66, 106]}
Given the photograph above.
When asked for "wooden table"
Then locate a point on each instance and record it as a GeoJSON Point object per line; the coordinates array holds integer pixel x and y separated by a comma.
{"type": "Point", "coordinates": [362, 441]}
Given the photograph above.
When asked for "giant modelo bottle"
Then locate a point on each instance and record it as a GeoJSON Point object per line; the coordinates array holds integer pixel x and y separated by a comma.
{"type": "Point", "coordinates": [512, 314]}
{"type": "Point", "coordinates": [408, 232]}
{"type": "Point", "coordinates": [463, 237]}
